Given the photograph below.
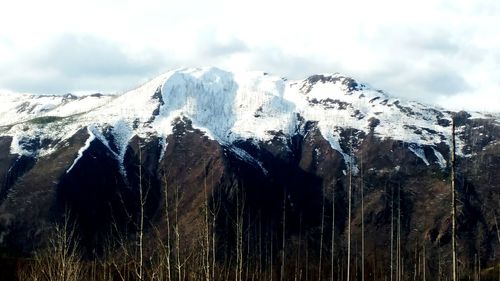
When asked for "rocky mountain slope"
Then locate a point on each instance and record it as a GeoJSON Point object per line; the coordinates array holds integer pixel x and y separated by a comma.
{"type": "Point", "coordinates": [259, 137]}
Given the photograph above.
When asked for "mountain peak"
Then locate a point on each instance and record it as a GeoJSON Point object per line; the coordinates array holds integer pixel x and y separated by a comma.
{"type": "Point", "coordinates": [227, 107]}
{"type": "Point", "coordinates": [280, 145]}
{"type": "Point", "coordinates": [349, 83]}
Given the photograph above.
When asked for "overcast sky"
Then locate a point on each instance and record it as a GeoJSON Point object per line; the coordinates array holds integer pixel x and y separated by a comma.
{"type": "Point", "coordinates": [445, 52]}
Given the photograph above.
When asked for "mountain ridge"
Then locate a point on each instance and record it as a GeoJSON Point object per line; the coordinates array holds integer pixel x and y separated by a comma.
{"type": "Point", "coordinates": [227, 107]}
{"type": "Point", "coordinates": [297, 146]}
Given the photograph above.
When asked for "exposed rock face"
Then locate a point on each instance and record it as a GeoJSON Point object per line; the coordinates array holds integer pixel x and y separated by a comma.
{"type": "Point", "coordinates": [94, 168]}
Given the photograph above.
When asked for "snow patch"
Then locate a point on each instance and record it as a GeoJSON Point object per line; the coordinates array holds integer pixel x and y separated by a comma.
{"type": "Point", "coordinates": [333, 139]}
{"type": "Point", "coordinates": [97, 131]}
{"type": "Point", "coordinates": [13, 164]}
{"type": "Point", "coordinates": [122, 132]}
{"type": "Point", "coordinates": [440, 159]}
{"type": "Point", "coordinates": [245, 156]}
{"type": "Point", "coordinates": [83, 149]}
{"type": "Point", "coordinates": [163, 148]}
{"type": "Point", "coordinates": [17, 148]}
{"type": "Point", "coordinates": [419, 152]}
{"type": "Point", "coordinates": [226, 106]}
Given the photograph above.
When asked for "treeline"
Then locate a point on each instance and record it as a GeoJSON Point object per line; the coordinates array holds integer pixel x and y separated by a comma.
{"type": "Point", "coordinates": [224, 239]}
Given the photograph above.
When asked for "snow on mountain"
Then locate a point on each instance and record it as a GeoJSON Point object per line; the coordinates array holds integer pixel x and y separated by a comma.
{"type": "Point", "coordinates": [85, 147]}
{"type": "Point", "coordinates": [338, 102]}
{"type": "Point", "coordinates": [227, 107]}
{"type": "Point", "coordinates": [17, 108]}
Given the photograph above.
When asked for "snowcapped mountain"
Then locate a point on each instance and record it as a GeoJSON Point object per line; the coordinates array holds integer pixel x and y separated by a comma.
{"type": "Point", "coordinates": [227, 107]}
{"type": "Point", "coordinates": [206, 129]}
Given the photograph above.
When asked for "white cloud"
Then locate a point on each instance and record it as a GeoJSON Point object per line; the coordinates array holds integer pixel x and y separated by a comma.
{"type": "Point", "coordinates": [442, 52]}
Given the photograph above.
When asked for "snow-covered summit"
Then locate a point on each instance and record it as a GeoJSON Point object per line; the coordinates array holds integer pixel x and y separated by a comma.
{"type": "Point", "coordinates": [226, 106]}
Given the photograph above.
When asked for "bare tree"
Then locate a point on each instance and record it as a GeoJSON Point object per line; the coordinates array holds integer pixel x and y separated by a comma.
{"type": "Point", "coordinates": [140, 231]}
{"type": "Point", "coordinates": [392, 232]}
{"type": "Point", "coordinates": [439, 265]}
{"type": "Point", "coordinates": [398, 242]}
{"type": "Point", "coordinates": [298, 264]}
{"type": "Point", "coordinates": [166, 246]}
{"type": "Point", "coordinates": [271, 258]}
{"type": "Point", "coordinates": [66, 257]}
{"type": "Point", "coordinates": [178, 263]}
{"type": "Point", "coordinates": [259, 265]}
{"type": "Point", "coordinates": [496, 225]}
{"type": "Point", "coordinates": [130, 259]}
{"type": "Point", "coordinates": [362, 224]}
{"type": "Point", "coordinates": [61, 260]}
{"type": "Point", "coordinates": [247, 259]}
{"type": "Point", "coordinates": [349, 216]}
{"type": "Point", "coordinates": [423, 263]}
{"type": "Point", "coordinates": [453, 203]}
{"type": "Point", "coordinates": [214, 212]}
{"type": "Point", "coordinates": [206, 243]}
{"type": "Point", "coordinates": [321, 233]}
{"type": "Point", "coordinates": [332, 254]}
{"type": "Point", "coordinates": [238, 224]}
{"type": "Point", "coordinates": [283, 238]}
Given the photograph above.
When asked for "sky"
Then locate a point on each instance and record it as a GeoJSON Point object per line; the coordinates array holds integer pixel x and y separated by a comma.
{"type": "Point", "coordinates": [444, 52]}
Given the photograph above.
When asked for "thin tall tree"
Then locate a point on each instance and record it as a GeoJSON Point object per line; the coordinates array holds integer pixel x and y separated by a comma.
{"type": "Point", "coordinates": [423, 263]}
{"type": "Point", "coordinates": [398, 242]}
{"type": "Point", "coordinates": [496, 225]}
{"type": "Point", "coordinates": [216, 204]}
{"type": "Point", "coordinates": [178, 264]}
{"type": "Point", "coordinates": [349, 214]}
{"type": "Point", "coordinates": [283, 238]}
{"type": "Point", "coordinates": [206, 233]}
{"type": "Point", "coordinates": [240, 206]}
{"type": "Point", "coordinates": [362, 224]}
{"type": "Point", "coordinates": [298, 264]}
{"type": "Point", "coordinates": [140, 231]}
{"type": "Point", "coordinates": [321, 233]}
{"type": "Point", "coordinates": [332, 257]}
{"type": "Point", "coordinates": [392, 232]}
{"type": "Point", "coordinates": [453, 203]}
{"type": "Point", "coordinates": [167, 222]}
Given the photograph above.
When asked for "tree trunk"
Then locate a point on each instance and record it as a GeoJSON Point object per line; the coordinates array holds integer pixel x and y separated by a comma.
{"type": "Point", "coordinates": [167, 221]}
{"type": "Point", "coordinates": [349, 219]}
{"type": "Point", "coordinates": [392, 232]}
{"type": "Point", "coordinates": [283, 238]}
{"type": "Point", "coordinates": [321, 233]}
{"type": "Point", "coordinates": [453, 204]}
{"type": "Point", "coordinates": [332, 258]}
{"type": "Point", "coordinates": [142, 203]}
{"type": "Point", "coordinates": [362, 225]}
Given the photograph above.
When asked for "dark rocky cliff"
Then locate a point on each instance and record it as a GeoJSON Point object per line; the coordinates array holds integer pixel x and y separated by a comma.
{"type": "Point", "coordinates": [304, 169]}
